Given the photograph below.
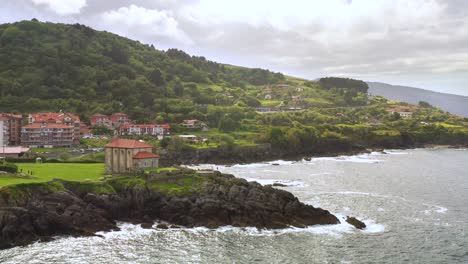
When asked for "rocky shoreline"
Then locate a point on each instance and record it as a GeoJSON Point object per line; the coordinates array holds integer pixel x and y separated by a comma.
{"type": "Point", "coordinates": [40, 211]}
{"type": "Point", "coordinates": [245, 155]}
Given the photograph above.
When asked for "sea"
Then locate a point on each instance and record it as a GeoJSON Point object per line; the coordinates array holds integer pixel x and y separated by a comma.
{"type": "Point", "coordinates": [414, 202]}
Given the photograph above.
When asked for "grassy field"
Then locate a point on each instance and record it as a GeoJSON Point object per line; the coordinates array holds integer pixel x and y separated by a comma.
{"type": "Point", "coordinates": [270, 103]}
{"type": "Point", "coordinates": [48, 171]}
{"type": "Point", "coordinates": [44, 150]}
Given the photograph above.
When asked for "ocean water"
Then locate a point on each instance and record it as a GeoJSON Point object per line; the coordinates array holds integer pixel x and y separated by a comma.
{"type": "Point", "coordinates": [415, 203]}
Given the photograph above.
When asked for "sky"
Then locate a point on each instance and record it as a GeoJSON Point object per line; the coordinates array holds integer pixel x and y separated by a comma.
{"type": "Point", "coordinates": [419, 43]}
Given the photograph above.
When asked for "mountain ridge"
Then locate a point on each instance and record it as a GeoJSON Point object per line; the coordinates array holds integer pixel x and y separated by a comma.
{"type": "Point", "coordinates": [453, 103]}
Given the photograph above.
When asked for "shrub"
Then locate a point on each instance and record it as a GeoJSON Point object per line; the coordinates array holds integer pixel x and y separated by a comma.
{"type": "Point", "coordinates": [9, 167]}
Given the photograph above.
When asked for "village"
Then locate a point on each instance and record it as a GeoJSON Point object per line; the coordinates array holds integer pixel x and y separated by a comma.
{"type": "Point", "coordinates": [21, 137]}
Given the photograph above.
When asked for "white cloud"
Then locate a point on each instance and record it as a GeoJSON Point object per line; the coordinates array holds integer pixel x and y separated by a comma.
{"type": "Point", "coordinates": [145, 23]}
{"type": "Point", "coordinates": [63, 7]}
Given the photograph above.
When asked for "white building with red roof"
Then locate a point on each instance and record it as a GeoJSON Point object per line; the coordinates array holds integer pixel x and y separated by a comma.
{"type": "Point", "coordinates": [156, 130]}
{"type": "Point", "coordinates": [100, 120]}
{"type": "Point", "coordinates": [119, 119]}
{"type": "Point", "coordinates": [62, 118]}
{"type": "Point", "coordinates": [126, 155]}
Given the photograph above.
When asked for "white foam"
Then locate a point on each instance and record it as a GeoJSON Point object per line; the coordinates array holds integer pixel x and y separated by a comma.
{"type": "Point", "coordinates": [441, 210]}
{"type": "Point", "coordinates": [130, 231]}
{"type": "Point", "coordinates": [372, 227]}
{"type": "Point", "coordinates": [289, 183]}
{"type": "Point", "coordinates": [126, 231]}
{"type": "Point", "coordinates": [435, 209]}
{"type": "Point", "coordinates": [395, 152]}
{"type": "Point", "coordinates": [363, 158]}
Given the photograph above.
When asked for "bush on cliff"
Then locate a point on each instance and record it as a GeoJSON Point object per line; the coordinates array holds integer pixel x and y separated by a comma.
{"type": "Point", "coordinates": [8, 167]}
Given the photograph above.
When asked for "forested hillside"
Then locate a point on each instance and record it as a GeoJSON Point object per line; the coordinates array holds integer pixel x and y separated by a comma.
{"type": "Point", "coordinates": [47, 66]}
{"type": "Point", "coordinates": [53, 67]}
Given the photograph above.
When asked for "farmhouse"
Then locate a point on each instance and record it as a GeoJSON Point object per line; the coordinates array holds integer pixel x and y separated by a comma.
{"type": "Point", "coordinates": [126, 155]}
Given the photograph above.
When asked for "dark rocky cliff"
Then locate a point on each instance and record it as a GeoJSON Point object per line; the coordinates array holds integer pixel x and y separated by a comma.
{"type": "Point", "coordinates": [32, 212]}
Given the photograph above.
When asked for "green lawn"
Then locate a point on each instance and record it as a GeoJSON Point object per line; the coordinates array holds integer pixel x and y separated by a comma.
{"type": "Point", "coordinates": [270, 103]}
{"type": "Point", "coordinates": [48, 171]}
{"type": "Point", "coordinates": [43, 150]}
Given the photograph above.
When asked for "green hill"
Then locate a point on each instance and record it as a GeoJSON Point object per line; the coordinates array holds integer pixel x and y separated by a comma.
{"type": "Point", "coordinates": [52, 67]}
{"type": "Point", "coordinates": [48, 66]}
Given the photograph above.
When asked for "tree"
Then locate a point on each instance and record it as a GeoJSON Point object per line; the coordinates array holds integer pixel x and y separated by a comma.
{"type": "Point", "coordinates": [424, 104]}
{"type": "Point", "coordinates": [157, 77]}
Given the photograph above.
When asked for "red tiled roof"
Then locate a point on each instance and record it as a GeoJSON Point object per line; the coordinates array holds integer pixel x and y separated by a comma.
{"type": "Point", "coordinates": [11, 115]}
{"type": "Point", "coordinates": [13, 150]}
{"type": "Point", "coordinates": [127, 143]}
{"type": "Point", "coordinates": [45, 117]}
{"type": "Point", "coordinates": [47, 126]}
{"type": "Point", "coordinates": [3, 118]}
{"type": "Point", "coordinates": [190, 120]}
{"type": "Point", "coordinates": [145, 155]}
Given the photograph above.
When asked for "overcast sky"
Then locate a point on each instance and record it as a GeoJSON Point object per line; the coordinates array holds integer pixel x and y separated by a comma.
{"type": "Point", "coordinates": [421, 43]}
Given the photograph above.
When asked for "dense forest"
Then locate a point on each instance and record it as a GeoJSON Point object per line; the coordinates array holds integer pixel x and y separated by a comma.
{"type": "Point", "coordinates": [47, 66]}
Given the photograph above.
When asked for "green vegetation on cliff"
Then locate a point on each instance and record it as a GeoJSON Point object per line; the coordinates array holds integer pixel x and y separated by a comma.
{"type": "Point", "coordinates": [52, 67]}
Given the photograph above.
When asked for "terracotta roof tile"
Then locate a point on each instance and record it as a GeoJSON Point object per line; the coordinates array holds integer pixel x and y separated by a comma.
{"type": "Point", "coordinates": [11, 115]}
{"type": "Point", "coordinates": [127, 143]}
{"type": "Point", "coordinates": [45, 117]}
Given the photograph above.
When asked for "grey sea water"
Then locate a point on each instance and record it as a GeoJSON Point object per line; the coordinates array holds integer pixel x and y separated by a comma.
{"type": "Point", "coordinates": [415, 203]}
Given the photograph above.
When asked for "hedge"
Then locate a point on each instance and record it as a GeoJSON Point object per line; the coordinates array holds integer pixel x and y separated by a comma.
{"type": "Point", "coordinates": [9, 167]}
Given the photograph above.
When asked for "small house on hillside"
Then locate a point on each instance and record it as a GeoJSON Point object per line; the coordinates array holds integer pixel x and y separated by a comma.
{"type": "Point", "coordinates": [195, 124]}
{"type": "Point", "coordinates": [126, 155]}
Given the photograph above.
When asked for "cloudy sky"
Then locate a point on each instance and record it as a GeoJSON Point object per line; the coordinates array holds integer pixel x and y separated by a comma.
{"type": "Point", "coordinates": [421, 43]}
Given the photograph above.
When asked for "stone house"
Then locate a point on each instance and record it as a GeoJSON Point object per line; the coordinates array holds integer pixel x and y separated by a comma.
{"type": "Point", "coordinates": [126, 155]}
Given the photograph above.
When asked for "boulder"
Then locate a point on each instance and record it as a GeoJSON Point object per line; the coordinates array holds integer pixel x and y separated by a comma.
{"type": "Point", "coordinates": [355, 222]}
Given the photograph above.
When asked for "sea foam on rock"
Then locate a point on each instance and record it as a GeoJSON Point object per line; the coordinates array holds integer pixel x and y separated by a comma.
{"type": "Point", "coordinates": [31, 212]}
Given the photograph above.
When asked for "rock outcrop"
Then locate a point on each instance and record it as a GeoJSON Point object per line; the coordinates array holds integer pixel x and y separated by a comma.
{"type": "Point", "coordinates": [32, 212]}
{"type": "Point", "coordinates": [355, 222]}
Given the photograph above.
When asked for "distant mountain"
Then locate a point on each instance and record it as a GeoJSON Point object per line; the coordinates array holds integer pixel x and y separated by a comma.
{"type": "Point", "coordinates": [455, 104]}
